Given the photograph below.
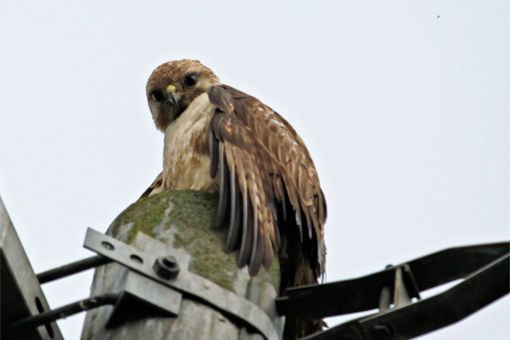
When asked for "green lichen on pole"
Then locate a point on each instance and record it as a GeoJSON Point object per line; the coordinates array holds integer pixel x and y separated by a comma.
{"type": "Point", "coordinates": [185, 219]}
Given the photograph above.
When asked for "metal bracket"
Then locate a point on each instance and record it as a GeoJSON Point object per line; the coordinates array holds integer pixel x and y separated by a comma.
{"type": "Point", "coordinates": [20, 292]}
{"type": "Point", "coordinates": [137, 292]}
{"type": "Point", "coordinates": [403, 290]}
{"type": "Point", "coordinates": [185, 282]}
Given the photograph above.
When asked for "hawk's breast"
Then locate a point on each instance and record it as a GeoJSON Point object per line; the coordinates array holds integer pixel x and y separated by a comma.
{"type": "Point", "coordinates": [186, 156]}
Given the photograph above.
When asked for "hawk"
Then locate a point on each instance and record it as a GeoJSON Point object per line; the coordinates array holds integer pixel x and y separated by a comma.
{"type": "Point", "coordinates": [219, 139]}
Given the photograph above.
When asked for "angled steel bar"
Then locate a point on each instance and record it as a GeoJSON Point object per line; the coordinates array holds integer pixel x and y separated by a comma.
{"type": "Point", "coordinates": [61, 312]}
{"type": "Point", "coordinates": [21, 295]}
{"type": "Point", "coordinates": [72, 268]}
{"type": "Point", "coordinates": [363, 294]}
{"type": "Point", "coordinates": [454, 263]}
{"type": "Point", "coordinates": [335, 298]}
{"type": "Point", "coordinates": [477, 291]}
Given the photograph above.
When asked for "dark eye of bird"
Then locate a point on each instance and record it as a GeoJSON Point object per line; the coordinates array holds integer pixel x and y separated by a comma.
{"type": "Point", "coordinates": [190, 79]}
{"type": "Point", "coordinates": [157, 96]}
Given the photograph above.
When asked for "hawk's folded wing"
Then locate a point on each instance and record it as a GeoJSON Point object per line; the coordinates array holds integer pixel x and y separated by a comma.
{"type": "Point", "coordinates": [269, 186]}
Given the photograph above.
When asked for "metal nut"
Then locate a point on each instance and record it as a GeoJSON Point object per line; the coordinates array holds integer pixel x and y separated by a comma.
{"type": "Point", "coordinates": [166, 267]}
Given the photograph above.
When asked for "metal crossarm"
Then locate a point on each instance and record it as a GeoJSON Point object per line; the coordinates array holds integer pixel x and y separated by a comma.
{"type": "Point", "coordinates": [475, 292]}
{"type": "Point", "coordinates": [485, 269]}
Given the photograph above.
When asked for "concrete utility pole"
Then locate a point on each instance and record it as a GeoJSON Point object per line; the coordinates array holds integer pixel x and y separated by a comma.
{"type": "Point", "coordinates": [183, 220]}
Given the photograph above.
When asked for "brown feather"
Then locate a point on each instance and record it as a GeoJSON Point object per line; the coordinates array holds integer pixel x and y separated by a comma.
{"type": "Point", "coordinates": [213, 150]}
{"type": "Point", "coordinates": [247, 231]}
{"type": "Point", "coordinates": [234, 228]}
{"type": "Point", "coordinates": [224, 189]}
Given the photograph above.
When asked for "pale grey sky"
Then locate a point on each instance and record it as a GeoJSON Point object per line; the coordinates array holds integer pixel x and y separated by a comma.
{"type": "Point", "coordinates": [403, 105]}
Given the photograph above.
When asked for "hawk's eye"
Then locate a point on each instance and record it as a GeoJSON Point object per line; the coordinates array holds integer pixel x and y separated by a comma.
{"type": "Point", "coordinates": [157, 96]}
{"type": "Point", "coordinates": [190, 79]}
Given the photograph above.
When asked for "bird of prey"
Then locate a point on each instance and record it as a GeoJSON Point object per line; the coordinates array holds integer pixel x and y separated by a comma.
{"type": "Point", "coordinates": [219, 139]}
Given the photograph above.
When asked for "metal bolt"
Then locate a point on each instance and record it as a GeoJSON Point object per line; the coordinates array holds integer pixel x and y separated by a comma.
{"type": "Point", "coordinates": [170, 261]}
{"type": "Point", "coordinates": [166, 267]}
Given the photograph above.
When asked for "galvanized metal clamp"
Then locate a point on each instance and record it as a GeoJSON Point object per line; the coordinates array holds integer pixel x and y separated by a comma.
{"type": "Point", "coordinates": [172, 272]}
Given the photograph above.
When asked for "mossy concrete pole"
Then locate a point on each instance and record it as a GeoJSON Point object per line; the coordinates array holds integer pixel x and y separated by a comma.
{"type": "Point", "coordinates": [181, 219]}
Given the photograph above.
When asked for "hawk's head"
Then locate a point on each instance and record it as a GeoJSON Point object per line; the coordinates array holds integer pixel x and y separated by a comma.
{"type": "Point", "coordinates": [173, 86]}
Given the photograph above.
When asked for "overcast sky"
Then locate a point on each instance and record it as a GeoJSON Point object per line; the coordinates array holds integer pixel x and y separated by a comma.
{"type": "Point", "coordinates": [403, 105]}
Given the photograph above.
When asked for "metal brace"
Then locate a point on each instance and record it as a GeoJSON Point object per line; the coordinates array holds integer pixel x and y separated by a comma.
{"type": "Point", "coordinates": [403, 290]}
{"type": "Point", "coordinates": [172, 271]}
{"type": "Point", "coordinates": [20, 292]}
{"type": "Point", "coordinates": [484, 269]}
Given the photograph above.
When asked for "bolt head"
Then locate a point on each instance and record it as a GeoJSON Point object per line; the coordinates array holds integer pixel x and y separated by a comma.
{"type": "Point", "coordinates": [170, 261]}
{"type": "Point", "coordinates": [167, 267]}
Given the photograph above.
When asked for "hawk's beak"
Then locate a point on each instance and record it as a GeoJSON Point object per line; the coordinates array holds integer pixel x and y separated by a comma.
{"type": "Point", "coordinates": [171, 96]}
{"type": "Point", "coordinates": [170, 89]}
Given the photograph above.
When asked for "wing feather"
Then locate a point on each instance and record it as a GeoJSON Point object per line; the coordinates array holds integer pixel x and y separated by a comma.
{"type": "Point", "coordinates": [247, 231]}
{"type": "Point", "coordinates": [224, 190]}
{"type": "Point", "coordinates": [213, 150]}
{"type": "Point", "coordinates": [236, 215]}
{"type": "Point", "coordinates": [270, 172]}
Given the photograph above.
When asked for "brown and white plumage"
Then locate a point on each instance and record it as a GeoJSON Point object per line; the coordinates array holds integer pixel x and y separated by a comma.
{"type": "Point", "coordinates": [222, 140]}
